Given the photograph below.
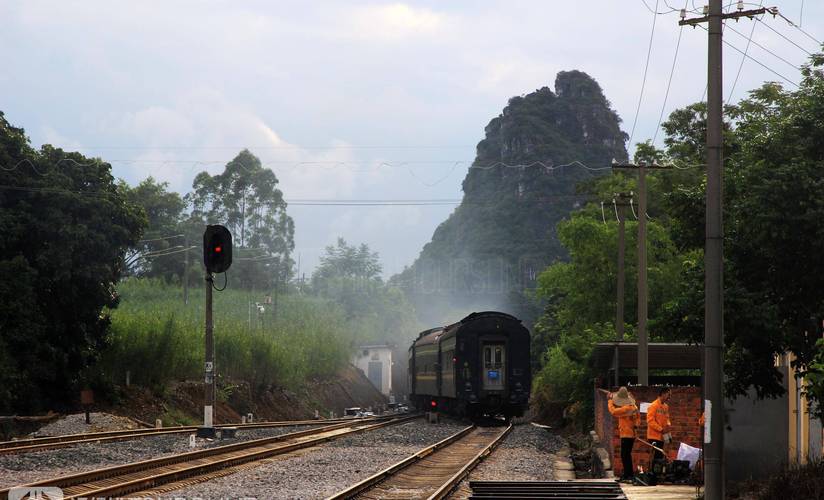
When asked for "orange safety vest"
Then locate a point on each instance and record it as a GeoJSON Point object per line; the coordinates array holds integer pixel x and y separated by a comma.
{"type": "Point", "coordinates": [628, 418]}
{"type": "Point", "coordinates": [658, 421]}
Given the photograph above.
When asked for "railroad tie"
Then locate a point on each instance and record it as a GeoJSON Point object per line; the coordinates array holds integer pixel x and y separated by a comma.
{"type": "Point", "coordinates": [554, 490]}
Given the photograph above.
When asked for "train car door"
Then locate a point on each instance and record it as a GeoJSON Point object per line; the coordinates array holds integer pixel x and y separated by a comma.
{"type": "Point", "coordinates": [494, 363]}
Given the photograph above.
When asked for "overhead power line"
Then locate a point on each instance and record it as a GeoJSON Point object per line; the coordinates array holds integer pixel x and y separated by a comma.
{"type": "Point", "coordinates": [783, 36]}
{"type": "Point", "coordinates": [765, 49]}
{"type": "Point", "coordinates": [782, 16]}
{"type": "Point", "coordinates": [655, 10]}
{"type": "Point", "coordinates": [162, 238]}
{"type": "Point", "coordinates": [669, 81]}
{"type": "Point", "coordinates": [776, 73]}
{"type": "Point", "coordinates": [746, 50]}
{"type": "Point", "coordinates": [646, 70]}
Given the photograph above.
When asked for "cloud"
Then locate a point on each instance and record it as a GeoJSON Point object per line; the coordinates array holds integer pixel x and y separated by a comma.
{"type": "Point", "coordinates": [394, 22]}
{"type": "Point", "coordinates": [204, 130]}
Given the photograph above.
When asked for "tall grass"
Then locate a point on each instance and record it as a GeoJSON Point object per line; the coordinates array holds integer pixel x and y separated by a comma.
{"type": "Point", "coordinates": [158, 339]}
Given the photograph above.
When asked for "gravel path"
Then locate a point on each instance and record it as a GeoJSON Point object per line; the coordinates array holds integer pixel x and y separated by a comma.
{"type": "Point", "coordinates": [76, 424]}
{"type": "Point", "coordinates": [327, 469]}
{"type": "Point", "coordinates": [27, 467]}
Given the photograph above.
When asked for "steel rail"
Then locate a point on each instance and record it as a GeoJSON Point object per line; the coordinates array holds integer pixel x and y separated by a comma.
{"type": "Point", "coordinates": [436, 454]}
{"type": "Point", "coordinates": [367, 483]}
{"type": "Point", "coordinates": [66, 440]}
{"type": "Point", "coordinates": [135, 477]}
{"type": "Point", "coordinates": [452, 483]}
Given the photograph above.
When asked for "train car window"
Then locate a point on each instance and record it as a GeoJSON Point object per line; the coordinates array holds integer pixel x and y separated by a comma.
{"type": "Point", "coordinates": [488, 355]}
{"type": "Point", "coordinates": [498, 355]}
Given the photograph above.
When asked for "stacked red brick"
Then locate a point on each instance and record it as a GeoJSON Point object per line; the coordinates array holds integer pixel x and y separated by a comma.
{"type": "Point", "coordinates": [685, 409]}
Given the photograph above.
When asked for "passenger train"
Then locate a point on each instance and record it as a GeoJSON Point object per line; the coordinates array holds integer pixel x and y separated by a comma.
{"type": "Point", "coordinates": [475, 367]}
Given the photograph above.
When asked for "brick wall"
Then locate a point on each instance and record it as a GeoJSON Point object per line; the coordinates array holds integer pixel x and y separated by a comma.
{"type": "Point", "coordinates": [685, 409]}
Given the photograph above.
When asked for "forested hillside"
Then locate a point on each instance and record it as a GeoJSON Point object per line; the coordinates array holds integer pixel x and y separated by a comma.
{"type": "Point", "coordinates": [524, 180]}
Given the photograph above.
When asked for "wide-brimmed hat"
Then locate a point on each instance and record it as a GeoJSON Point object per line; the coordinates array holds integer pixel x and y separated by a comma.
{"type": "Point", "coordinates": [622, 397]}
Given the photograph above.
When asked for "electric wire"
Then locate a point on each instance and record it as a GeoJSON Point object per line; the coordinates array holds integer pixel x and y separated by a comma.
{"type": "Point", "coordinates": [669, 81]}
{"type": "Point", "coordinates": [162, 238]}
{"type": "Point", "coordinates": [783, 36]}
{"type": "Point", "coordinates": [782, 16]}
{"type": "Point", "coordinates": [225, 282]}
{"type": "Point", "coordinates": [646, 69]}
{"type": "Point", "coordinates": [615, 206]}
{"type": "Point", "coordinates": [655, 11]}
{"type": "Point", "coordinates": [765, 49]}
{"type": "Point", "coordinates": [756, 61]}
{"type": "Point", "coordinates": [741, 65]}
{"type": "Point", "coordinates": [603, 214]}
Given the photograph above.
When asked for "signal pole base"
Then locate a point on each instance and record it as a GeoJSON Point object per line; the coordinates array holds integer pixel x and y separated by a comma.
{"type": "Point", "coordinates": [207, 432]}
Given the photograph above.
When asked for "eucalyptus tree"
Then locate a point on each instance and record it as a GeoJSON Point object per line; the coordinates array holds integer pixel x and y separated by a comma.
{"type": "Point", "coordinates": [245, 198]}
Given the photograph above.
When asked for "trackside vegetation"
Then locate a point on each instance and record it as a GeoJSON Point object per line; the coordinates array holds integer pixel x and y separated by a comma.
{"type": "Point", "coordinates": [158, 339]}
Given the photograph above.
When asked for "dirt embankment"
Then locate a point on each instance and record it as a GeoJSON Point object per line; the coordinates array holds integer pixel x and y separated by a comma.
{"type": "Point", "coordinates": [183, 402]}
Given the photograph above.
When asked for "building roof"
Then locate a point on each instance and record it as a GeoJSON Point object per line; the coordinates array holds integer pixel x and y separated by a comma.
{"type": "Point", "coordinates": [662, 356]}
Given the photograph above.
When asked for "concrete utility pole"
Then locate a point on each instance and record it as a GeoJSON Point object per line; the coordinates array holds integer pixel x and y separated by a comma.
{"type": "Point", "coordinates": [186, 271]}
{"type": "Point", "coordinates": [620, 203]}
{"type": "Point", "coordinates": [643, 339]}
{"type": "Point", "coordinates": [714, 249]}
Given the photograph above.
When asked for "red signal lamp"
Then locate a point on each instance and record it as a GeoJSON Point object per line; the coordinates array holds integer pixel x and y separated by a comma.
{"type": "Point", "coordinates": [218, 249]}
{"type": "Point", "coordinates": [433, 404]}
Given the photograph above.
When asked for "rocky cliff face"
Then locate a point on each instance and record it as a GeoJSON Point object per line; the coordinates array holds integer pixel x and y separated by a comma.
{"type": "Point", "coordinates": [525, 178]}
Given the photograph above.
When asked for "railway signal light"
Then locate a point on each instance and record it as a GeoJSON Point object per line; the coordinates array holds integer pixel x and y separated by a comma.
{"type": "Point", "coordinates": [434, 404]}
{"type": "Point", "coordinates": [217, 249]}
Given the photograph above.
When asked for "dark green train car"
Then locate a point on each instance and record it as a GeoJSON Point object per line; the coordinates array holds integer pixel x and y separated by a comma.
{"type": "Point", "coordinates": [477, 366]}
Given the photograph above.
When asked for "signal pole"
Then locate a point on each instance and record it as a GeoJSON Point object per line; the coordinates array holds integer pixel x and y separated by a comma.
{"type": "Point", "coordinates": [714, 248]}
{"type": "Point", "coordinates": [217, 258]}
{"type": "Point", "coordinates": [643, 338]}
{"type": "Point", "coordinates": [209, 366]}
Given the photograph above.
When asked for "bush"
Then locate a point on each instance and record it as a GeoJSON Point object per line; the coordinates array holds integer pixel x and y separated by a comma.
{"type": "Point", "coordinates": [802, 481]}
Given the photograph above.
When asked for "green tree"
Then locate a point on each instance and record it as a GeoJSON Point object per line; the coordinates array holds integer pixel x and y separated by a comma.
{"type": "Point", "coordinates": [245, 199]}
{"type": "Point", "coordinates": [66, 228]}
{"type": "Point", "coordinates": [350, 276]}
{"type": "Point", "coordinates": [581, 297]}
{"type": "Point", "coordinates": [160, 252]}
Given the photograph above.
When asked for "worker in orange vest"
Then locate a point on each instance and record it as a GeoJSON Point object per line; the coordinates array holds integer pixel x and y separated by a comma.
{"type": "Point", "coordinates": [658, 421]}
{"type": "Point", "coordinates": [622, 406]}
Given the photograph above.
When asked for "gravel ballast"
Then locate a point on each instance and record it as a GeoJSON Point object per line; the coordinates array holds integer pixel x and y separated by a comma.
{"type": "Point", "coordinates": [28, 467]}
{"type": "Point", "coordinates": [526, 454]}
{"type": "Point", "coordinates": [327, 469]}
{"type": "Point", "coordinates": [76, 424]}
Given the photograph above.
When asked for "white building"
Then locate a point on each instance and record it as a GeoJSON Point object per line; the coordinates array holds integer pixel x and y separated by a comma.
{"type": "Point", "coordinates": [375, 361]}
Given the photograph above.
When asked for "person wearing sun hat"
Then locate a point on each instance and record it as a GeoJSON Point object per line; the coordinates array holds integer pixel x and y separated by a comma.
{"type": "Point", "coordinates": [622, 406]}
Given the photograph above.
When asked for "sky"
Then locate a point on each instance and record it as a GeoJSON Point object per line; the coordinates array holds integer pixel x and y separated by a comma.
{"type": "Point", "coordinates": [352, 100]}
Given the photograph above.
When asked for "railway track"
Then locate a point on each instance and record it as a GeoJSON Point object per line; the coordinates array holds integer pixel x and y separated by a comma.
{"type": "Point", "coordinates": [53, 442]}
{"type": "Point", "coordinates": [432, 472]}
{"type": "Point", "coordinates": [162, 473]}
